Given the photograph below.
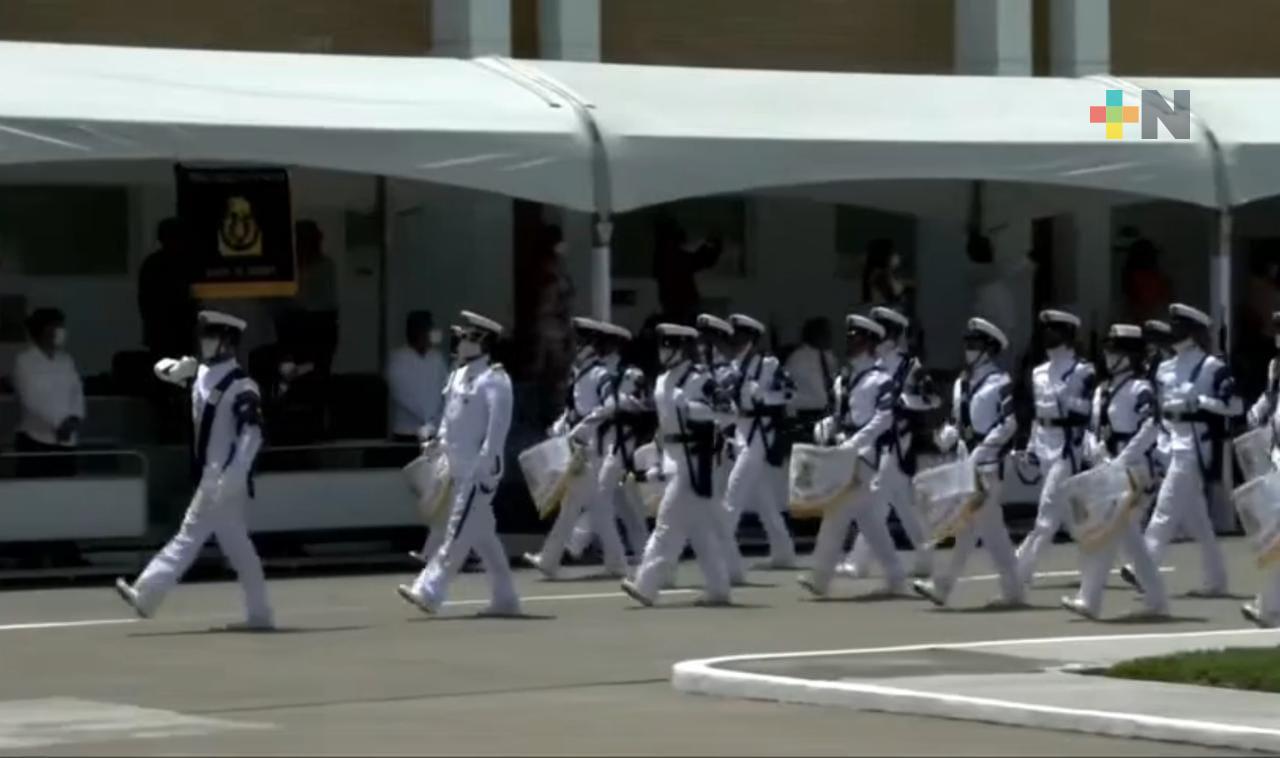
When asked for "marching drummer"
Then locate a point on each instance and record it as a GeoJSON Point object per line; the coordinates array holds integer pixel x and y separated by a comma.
{"type": "Point", "coordinates": [865, 398]}
{"type": "Point", "coordinates": [690, 406]}
{"type": "Point", "coordinates": [1063, 387]}
{"type": "Point", "coordinates": [1197, 394]}
{"type": "Point", "coordinates": [757, 483]}
{"type": "Point", "coordinates": [982, 427]}
{"type": "Point", "coordinates": [1122, 431]}
{"type": "Point", "coordinates": [1264, 609]}
{"type": "Point", "coordinates": [595, 366]}
{"type": "Point", "coordinates": [915, 396]}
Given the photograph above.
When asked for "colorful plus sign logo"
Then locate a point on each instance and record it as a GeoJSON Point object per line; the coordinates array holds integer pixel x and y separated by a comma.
{"type": "Point", "coordinates": [1115, 114]}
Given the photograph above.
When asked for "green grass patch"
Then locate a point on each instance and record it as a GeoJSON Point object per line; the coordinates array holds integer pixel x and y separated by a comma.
{"type": "Point", "coordinates": [1236, 668]}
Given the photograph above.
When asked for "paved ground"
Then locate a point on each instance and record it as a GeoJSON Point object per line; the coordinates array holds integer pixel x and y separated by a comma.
{"type": "Point", "coordinates": [356, 671]}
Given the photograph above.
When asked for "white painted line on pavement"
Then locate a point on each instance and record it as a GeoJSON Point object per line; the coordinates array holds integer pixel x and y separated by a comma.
{"type": "Point", "coordinates": [64, 624]}
{"type": "Point", "coordinates": [707, 676]}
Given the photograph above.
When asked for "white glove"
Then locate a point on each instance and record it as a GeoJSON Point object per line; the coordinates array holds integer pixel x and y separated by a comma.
{"type": "Point", "coordinates": [427, 433]}
{"type": "Point", "coordinates": [947, 437]}
{"type": "Point", "coordinates": [176, 371]}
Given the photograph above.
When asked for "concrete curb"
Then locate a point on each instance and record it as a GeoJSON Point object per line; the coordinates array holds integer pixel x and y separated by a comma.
{"type": "Point", "coordinates": [705, 677]}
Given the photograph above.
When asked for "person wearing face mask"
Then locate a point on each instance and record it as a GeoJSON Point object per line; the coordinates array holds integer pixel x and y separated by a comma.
{"type": "Point", "coordinates": [1264, 609]}
{"type": "Point", "coordinates": [760, 391]}
{"type": "Point", "coordinates": [865, 398]}
{"type": "Point", "coordinates": [1159, 340]}
{"type": "Point", "coordinates": [416, 373]}
{"type": "Point", "coordinates": [1122, 430]}
{"type": "Point", "coordinates": [1197, 395]}
{"type": "Point", "coordinates": [227, 410]}
{"type": "Point", "coordinates": [477, 417]}
{"type": "Point", "coordinates": [716, 338]}
{"type": "Point", "coordinates": [50, 395]}
{"type": "Point", "coordinates": [914, 396]}
{"type": "Point", "coordinates": [1063, 389]}
{"type": "Point", "coordinates": [690, 405]}
{"type": "Point", "coordinates": [982, 428]}
{"type": "Point", "coordinates": [595, 368]}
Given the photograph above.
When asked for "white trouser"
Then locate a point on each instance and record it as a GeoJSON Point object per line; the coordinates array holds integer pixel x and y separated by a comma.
{"type": "Point", "coordinates": [895, 487]}
{"type": "Point", "coordinates": [988, 526]}
{"type": "Point", "coordinates": [868, 507]}
{"type": "Point", "coordinates": [753, 485]}
{"type": "Point", "coordinates": [225, 521]}
{"type": "Point", "coordinates": [437, 528]}
{"type": "Point", "coordinates": [684, 516]}
{"type": "Point", "coordinates": [1268, 599]}
{"type": "Point", "coordinates": [590, 496]}
{"type": "Point", "coordinates": [1095, 567]}
{"type": "Point", "coordinates": [1181, 500]}
{"type": "Point", "coordinates": [1048, 517]}
{"type": "Point", "coordinates": [622, 507]}
{"type": "Point", "coordinates": [471, 527]}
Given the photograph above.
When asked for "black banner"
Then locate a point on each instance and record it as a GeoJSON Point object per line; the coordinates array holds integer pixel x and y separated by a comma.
{"type": "Point", "coordinates": [239, 223]}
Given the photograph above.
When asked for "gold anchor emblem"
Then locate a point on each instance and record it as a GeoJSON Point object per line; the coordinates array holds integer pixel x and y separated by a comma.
{"type": "Point", "coordinates": [239, 235]}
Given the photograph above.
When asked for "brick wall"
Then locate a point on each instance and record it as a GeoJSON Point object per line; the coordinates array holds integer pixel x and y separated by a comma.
{"type": "Point", "coordinates": [372, 27]}
{"type": "Point", "coordinates": [836, 35]}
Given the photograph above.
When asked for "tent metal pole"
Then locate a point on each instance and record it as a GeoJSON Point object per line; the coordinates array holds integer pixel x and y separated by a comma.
{"type": "Point", "coordinates": [602, 269]}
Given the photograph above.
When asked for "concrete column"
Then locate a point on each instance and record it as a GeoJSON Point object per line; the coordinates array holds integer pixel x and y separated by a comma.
{"type": "Point", "coordinates": [1080, 45]}
{"type": "Point", "coordinates": [569, 30]}
{"type": "Point", "coordinates": [471, 28]}
{"type": "Point", "coordinates": [993, 37]}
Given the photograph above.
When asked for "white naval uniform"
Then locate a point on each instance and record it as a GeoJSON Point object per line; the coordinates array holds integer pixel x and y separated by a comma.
{"type": "Point", "coordinates": [234, 436]}
{"type": "Point", "coordinates": [1191, 381]}
{"type": "Point", "coordinates": [438, 525]}
{"type": "Point", "coordinates": [1123, 429]}
{"type": "Point", "coordinates": [477, 417]}
{"type": "Point", "coordinates": [893, 483]}
{"type": "Point", "coordinates": [1063, 388]}
{"type": "Point", "coordinates": [1267, 411]}
{"type": "Point", "coordinates": [986, 431]}
{"type": "Point", "coordinates": [754, 484]}
{"type": "Point", "coordinates": [587, 392]}
{"type": "Point", "coordinates": [865, 397]}
{"type": "Point", "coordinates": [683, 395]}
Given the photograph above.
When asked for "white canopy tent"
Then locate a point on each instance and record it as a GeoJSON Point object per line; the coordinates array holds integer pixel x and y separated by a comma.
{"type": "Point", "coordinates": [435, 119]}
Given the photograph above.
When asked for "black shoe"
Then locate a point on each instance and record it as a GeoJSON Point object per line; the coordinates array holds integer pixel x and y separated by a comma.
{"type": "Point", "coordinates": [1130, 578]}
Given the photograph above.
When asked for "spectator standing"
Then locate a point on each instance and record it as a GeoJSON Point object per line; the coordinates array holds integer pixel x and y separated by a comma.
{"type": "Point", "coordinates": [416, 373]}
{"type": "Point", "coordinates": [813, 368]}
{"type": "Point", "coordinates": [164, 293]}
{"type": "Point", "coordinates": [317, 294]}
{"type": "Point", "coordinates": [882, 282]}
{"type": "Point", "coordinates": [1146, 288]}
{"type": "Point", "coordinates": [49, 392]}
{"type": "Point", "coordinates": [677, 261]}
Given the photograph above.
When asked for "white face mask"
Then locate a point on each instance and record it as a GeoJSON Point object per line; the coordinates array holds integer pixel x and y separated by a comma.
{"type": "Point", "coordinates": [561, 249]}
{"type": "Point", "coordinates": [1116, 362]}
{"type": "Point", "coordinates": [435, 337]}
{"type": "Point", "coordinates": [669, 356]}
{"type": "Point", "coordinates": [971, 357]}
{"type": "Point", "coordinates": [210, 347]}
{"type": "Point", "coordinates": [1278, 341]}
{"type": "Point", "coordinates": [886, 348]}
{"type": "Point", "coordinates": [467, 349]}
{"type": "Point", "coordinates": [1183, 345]}
{"type": "Point", "coordinates": [59, 338]}
{"type": "Point", "coordinates": [585, 353]}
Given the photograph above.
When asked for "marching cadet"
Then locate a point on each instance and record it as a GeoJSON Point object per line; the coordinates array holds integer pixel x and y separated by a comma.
{"type": "Point", "coordinates": [716, 336]}
{"type": "Point", "coordinates": [760, 393]}
{"type": "Point", "coordinates": [1159, 339]}
{"type": "Point", "coordinates": [227, 410]}
{"type": "Point", "coordinates": [1197, 395]}
{"type": "Point", "coordinates": [1264, 609]}
{"type": "Point", "coordinates": [983, 424]}
{"type": "Point", "coordinates": [1122, 430]}
{"type": "Point", "coordinates": [477, 417]}
{"type": "Point", "coordinates": [1063, 388]}
{"type": "Point", "coordinates": [595, 367]}
{"type": "Point", "coordinates": [690, 405]}
{"type": "Point", "coordinates": [865, 399]}
{"type": "Point", "coordinates": [914, 397]}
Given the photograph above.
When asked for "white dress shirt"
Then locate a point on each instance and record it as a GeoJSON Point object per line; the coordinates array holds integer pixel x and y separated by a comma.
{"type": "Point", "coordinates": [415, 382]}
{"type": "Point", "coordinates": [805, 365]}
{"type": "Point", "coordinates": [49, 392]}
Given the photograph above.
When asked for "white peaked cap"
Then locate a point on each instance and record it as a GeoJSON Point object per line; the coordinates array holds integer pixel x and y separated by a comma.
{"type": "Point", "coordinates": [677, 330]}
{"type": "Point", "coordinates": [743, 321]}
{"type": "Point", "coordinates": [473, 319]}
{"type": "Point", "coordinates": [218, 318]}
{"type": "Point", "coordinates": [1125, 332]}
{"type": "Point", "coordinates": [881, 313]}
{"type": "Point", "coordinates": [988, 329]}
{"type": "Point", "coordinates": [1052, 316]}
{"type": "Point", "coordinates": [715, 324]}
{"type": "Point", "coordinates": [1181, 310]}
{"type": "Point", "coordinates": [1156, 325]}
{"type": "Point", "coordinates": [613, 330]}
{"type": "Point", "coordinates": [856, 322]}
{"type": "Point", "coordinates": [584, 324]}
